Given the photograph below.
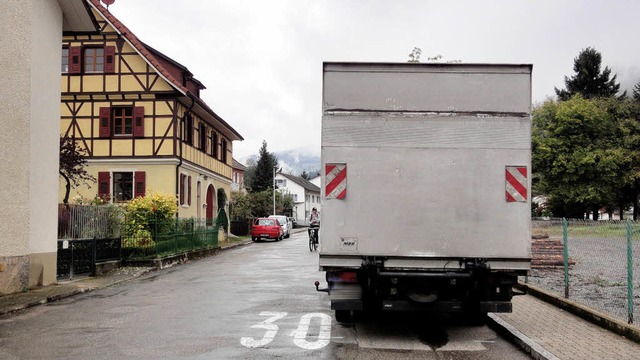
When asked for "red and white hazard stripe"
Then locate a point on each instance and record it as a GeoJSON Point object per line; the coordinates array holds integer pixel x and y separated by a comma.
{"type": "Point", "coordinates": [335, 181]}
{"type": "Point", "coordinates": [516, 183]}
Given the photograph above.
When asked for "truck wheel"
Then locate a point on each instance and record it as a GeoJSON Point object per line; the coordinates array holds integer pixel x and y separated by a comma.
{"type": "Point", "coordinates": [254, 239]}
{"type": "Point", "coordinates": [344, 316]}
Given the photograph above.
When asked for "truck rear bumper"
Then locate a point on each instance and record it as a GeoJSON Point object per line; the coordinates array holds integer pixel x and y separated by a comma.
{"type": "Point", "coordinates": [442, 306]}
{"type": "Point", "coordinates": [328, 262]}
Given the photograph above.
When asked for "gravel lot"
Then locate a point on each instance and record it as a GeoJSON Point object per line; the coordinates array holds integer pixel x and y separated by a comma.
{"type": "Point", "coordinates": [599, 277]}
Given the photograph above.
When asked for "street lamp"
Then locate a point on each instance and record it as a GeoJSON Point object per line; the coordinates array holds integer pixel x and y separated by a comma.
{"type": "Point", "coordinates": [274, 189]}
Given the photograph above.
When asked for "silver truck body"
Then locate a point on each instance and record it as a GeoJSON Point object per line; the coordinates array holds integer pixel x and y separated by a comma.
{"type": "Point", "coordinates": [426, 186]}
{"type": "Point", "coordinates": [425, 148]}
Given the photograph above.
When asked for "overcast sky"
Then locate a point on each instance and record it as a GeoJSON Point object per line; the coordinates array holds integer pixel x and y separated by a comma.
{"type": "Point", "coordinates": [261, 60]}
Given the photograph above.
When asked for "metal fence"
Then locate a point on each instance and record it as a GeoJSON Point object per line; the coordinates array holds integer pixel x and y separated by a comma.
{"type": "Point", "coordinates": [599, 262]}
{"type": "Point", "coordinates": [166, 237]}
{"type": "Point", "coordinates": [88, 221]}
{"type": "Point", "coordinates": [89, 234]}
{"type": "Point", "coordinates": [80, 256]}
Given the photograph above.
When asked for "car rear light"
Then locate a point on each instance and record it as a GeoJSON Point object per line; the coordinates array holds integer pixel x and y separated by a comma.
{"type": "Point", "coordinates": [342, 277]}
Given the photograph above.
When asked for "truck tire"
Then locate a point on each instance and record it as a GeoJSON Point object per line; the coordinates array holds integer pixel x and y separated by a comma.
{"type": "Point", "coordinates": [344, 316]}
{"type": "Point", "coordinates": [254, 239]}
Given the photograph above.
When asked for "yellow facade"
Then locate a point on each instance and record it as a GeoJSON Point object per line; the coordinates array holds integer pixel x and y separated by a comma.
{"type": "Point", "coordinates": [132, 119]}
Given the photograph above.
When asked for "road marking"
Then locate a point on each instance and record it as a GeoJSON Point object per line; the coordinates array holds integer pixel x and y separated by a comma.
{"type": "Point", "coordinates": [324, 336]}
{"type": "Point", "coordinates": [272, 330]}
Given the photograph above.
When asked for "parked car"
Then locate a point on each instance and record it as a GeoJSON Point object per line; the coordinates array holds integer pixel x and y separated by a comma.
{"type": "Point", "coordinates": [294, 223]}
{"type": "Point", "coordinates": [284, 222]}
{"type": "Point", "coordinates": [266, 228]}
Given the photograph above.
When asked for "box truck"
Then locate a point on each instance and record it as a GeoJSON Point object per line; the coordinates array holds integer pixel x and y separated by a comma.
{"type": "Point", "coordinates": [426, 173]}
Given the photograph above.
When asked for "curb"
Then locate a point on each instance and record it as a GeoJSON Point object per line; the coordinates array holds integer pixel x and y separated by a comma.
{"type": "Point", "coordinates": [593, 316]}
{"type": "Point", "coordinates": [516, 337]}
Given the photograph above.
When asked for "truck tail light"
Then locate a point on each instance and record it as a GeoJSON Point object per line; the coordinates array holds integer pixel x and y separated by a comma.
{"type": "Point", "coordinates": [342, 277]}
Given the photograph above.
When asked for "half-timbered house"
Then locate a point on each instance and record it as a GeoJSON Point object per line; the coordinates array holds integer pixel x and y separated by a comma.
{"type": "Point", "coordinates": [139, 115]}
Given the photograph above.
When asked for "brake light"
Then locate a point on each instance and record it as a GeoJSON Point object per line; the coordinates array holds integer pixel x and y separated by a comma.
{"type": "Point", "coordinates": [342, 277]}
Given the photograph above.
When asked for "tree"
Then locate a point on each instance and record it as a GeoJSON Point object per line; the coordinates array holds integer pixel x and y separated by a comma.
{"type": "Point", "coordinates": [414, 56]}
{"type": "Point", "coordinates": [304, 175]}
{"type": "Point", "coordinates": [636, 92]}
{"type": "Point", "coordinates": [262, 174]}
{"type": "Point", "coordinates": [72, 165]}
{"type": "Point", "coordinates": [576, 156]}
{"type": "Point", "coordinates": [589, 80]}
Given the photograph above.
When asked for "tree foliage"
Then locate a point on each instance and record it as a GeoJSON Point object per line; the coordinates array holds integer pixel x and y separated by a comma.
{"type": "Point", "coordinates": [589, 80]}
{"type": "Point", "coordinates": [578, 156]}
{"type": "Point", "coordinates": [261, 175]}
{"type": "Point", "coordinates": [258, 204]}
{"type": "Point", "coordinates": [72, 165]}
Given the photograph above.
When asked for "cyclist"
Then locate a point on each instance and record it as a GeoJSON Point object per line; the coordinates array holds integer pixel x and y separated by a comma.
{"type": "Point", "coordinates": [314, 222]}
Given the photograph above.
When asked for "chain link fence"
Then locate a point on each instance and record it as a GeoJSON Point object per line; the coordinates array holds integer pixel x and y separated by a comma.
{"type": "Point", "coordinates": [590, 262]}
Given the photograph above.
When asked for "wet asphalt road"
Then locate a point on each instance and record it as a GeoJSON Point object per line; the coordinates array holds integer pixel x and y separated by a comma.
{"type": "Point", "coordinates": [254, 302]}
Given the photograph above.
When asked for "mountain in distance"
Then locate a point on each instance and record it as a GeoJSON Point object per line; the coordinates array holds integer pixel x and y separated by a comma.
{"type": "Point", "coordinates": [293, 161]}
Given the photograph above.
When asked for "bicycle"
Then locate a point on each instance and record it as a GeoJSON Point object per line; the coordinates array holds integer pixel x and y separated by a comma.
{"type": "Point", "coordinates": [313, 239]}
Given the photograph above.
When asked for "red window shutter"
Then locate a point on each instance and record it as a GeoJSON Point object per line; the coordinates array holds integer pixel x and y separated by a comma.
{"type": "Point", "coordinates": [105, 122]}
{"type": "Point", "coordinates": [104, 181]}
{"type": "Point", "coordinates": [182, 178]}
{"type": "Point", "coordinates": [138, 121]}
{"type": "Point", "coordinates": [75, 59]}
{"type": "Point", "coordinates": [141, 184]}
{"type": "Point", "coordinates": [109, 59]}
{"type": "Point", "coordinates": [189, 191]}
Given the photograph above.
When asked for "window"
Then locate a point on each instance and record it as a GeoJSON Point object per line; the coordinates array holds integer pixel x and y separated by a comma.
{"type": "Point", "coordinates": [203, 138]}
{"type": "Point", "coordinates": [93, 60]}
{"type": "Point", "coordinates": [214, 144]}
{"type": "Point", "coordinates": [185, 189]}
{"type": "Point", "coordinates": [188, 130]}
{"type": "Point", "coordinates": [65, 61]}
{"type": "Point", "coordinates": [121, 121]}
{"type": "Point", "coordinates": [89, 60]}
{"type": "Point", "coordinates": [224, 151]}
{"type": "Point", "coordinates": [281, 183]}
{"type": "Point", "coordinates": [295, 197]}
{"type": "Point", "coordinates": [125, 184]}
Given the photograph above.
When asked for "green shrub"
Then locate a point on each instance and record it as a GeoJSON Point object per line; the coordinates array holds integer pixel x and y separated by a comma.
{"type": "Point", "coordinates": [154, 213]}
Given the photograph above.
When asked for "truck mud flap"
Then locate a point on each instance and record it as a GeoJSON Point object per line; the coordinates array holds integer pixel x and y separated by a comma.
{"type": "Point", "coordinates": [346, 305]}
{"type": "Point", "coordinates": [496, 306]}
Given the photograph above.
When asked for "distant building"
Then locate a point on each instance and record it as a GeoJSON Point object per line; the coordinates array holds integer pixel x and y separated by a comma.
{"type": "Point", "coordinates": [237, 177]}
{"type": "Point", "coordinates": [305, 194]}
{"type": "Point", "coordinates": [315, 180]}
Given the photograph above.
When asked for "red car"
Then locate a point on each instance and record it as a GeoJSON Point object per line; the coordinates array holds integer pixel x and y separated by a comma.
{"type": "Point", "coordinates": [266, 228]}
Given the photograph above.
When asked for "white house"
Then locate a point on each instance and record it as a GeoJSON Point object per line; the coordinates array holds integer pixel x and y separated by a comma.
{"type": "Point", "coordinates": [31, 53]}
{"type": "Point", "coordinates": [306, 195]}
{"type": "Point", "coordinates": [315, 180]}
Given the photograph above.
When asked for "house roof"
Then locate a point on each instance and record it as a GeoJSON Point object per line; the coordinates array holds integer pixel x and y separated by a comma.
{"type": "Point", "coordinates": [302, 182]}
{"type": "Point", "coordinates": [238, 166]}
{"type": "Point", "coordinates": [155, 59]}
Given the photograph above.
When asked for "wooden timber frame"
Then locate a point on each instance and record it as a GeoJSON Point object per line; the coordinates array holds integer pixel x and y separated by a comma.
{"type": "Point", "coordinates": [132, 107]}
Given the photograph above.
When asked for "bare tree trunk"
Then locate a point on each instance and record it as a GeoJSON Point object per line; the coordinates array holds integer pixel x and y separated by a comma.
{"type": "Point", "coordinates": [67, 189]}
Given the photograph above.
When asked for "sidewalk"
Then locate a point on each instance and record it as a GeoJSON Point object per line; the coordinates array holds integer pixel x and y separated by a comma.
{"type": "Point", "coordinates": [543, 330]}
{"type": "Point", "coordinates": [42, 295]}
{"type": "Point", "coordinates": [546, 331]}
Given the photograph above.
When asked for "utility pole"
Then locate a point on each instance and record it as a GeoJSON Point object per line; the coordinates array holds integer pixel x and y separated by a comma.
{"type": "Point", "coordinates": [274, 190]}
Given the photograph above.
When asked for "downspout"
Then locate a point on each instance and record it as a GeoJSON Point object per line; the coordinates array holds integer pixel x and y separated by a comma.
{"type": "Point", "coordinates": [181, 135]}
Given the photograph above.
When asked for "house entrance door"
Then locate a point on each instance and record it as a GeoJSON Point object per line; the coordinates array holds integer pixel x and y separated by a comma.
{"type": "Point", "coordinates": [210, 204]}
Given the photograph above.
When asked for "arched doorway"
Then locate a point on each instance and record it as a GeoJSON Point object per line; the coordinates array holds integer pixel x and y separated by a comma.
{"type": "Point", "coordinates": [211, 204]}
